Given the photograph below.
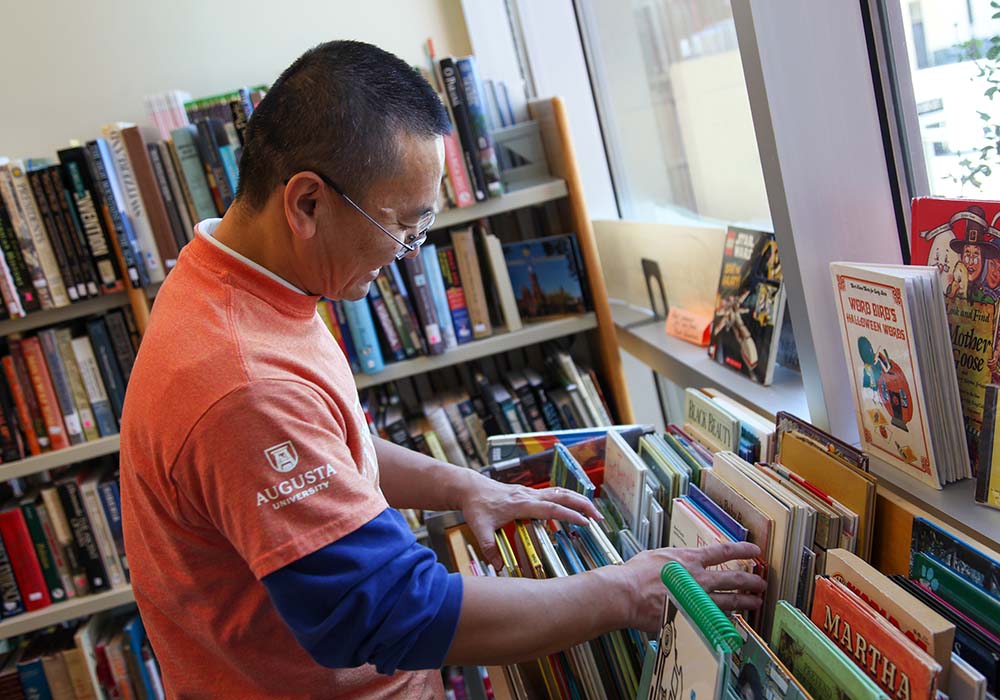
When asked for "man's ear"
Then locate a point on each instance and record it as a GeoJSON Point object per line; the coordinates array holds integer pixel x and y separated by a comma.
{"type": "Point", "coordinates": [303, 197]}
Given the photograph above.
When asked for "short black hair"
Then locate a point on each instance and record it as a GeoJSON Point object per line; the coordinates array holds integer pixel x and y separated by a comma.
{"type": "Point", "coordinates": [339, 109]}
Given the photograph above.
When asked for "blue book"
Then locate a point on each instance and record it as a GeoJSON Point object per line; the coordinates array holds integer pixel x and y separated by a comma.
{"type": "Point", "coordinates": [137, 643]}
{"type": "Point", "coordinates": [475, 103]}
{"type": "Point", "coordinates": [362, 325]}
{"type": "Point", "coordinates": [109, 492]}
{"type": "Point", "coordinates": [105, 353]}
{"type": "Point", "coordinates": [711, 510]}
{"type": "Point", "coordinates": [432, 268]}
{"type": "Point", "coordinates": [546, 276]}
{"type": "Point", "coordinates": [32, 675]}
{"type": "Point", "coordinates": [229, 166]}
{"type": "Point", "coordinates": [92, 382]}
{"type": "Point", "coordinates": [107, 162]}
{"type": "Point", "coordinates": [345, 332]}
{"type": "Point", "coordinates": [193, 171]}
{"type": "Point", "coordinates": [454, 294]}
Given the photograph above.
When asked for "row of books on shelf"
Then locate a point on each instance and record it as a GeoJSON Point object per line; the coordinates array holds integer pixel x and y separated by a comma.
{"type": "Point", "coordinates": [452, 294]}
{"type": "Point", "coordinates": [831, 625]}
{"type": "Point", "coordinates": [455, 425]}
{"type": "Point", "coordinates": [106, 656]}
{"type": "Point", "coordinates": [65, 385]}
{"type": "Point", "coordinates": [61, 536]}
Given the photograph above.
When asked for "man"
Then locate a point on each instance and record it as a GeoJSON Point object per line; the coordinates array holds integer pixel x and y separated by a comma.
{"type": "Point", "coordinates": [267, 558]}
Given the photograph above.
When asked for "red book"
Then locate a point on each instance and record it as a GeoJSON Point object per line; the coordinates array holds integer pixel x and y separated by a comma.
{"type": "Point", "coordinates": [41, 382]}
{"type": "Point", "coordinates": [21, 551]}
{"type": "Point", "coordinates": [21, 403]}
{"type": "Point", "coordinates": [458, 177]}
{"type": "Point", "coordinates": [335, 326]}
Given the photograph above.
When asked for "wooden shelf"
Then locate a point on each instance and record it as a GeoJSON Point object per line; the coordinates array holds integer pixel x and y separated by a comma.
{"type": "Point", "coordinates": [528, 195]}
{"type": "Point", "coordinates": [39, 319]}
{"type": "Point", "coordinates": [58, 458]}
{"type": "Point", "coordinates": [499, 342]}
{"type": "Point", "coordinates": [641, 335]}
{"type": "Point", "coordinates": [954, 504]}
{"type": "Point", "coordinates": [67, 610]}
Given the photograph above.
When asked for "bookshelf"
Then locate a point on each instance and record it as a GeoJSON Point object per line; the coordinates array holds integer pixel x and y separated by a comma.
{"type": "Point", "coordinates": [67, 610]}
{"type": "Point", "coordinates": [60, 458]}
{"type": "Point", "coordinates": [643, 336]}
{"type": "Point", "coordinates": [49, 317]}
{"type": "Point", "coordinates": [502, 341]}
{"type": "Point", "coordinates": [528, 194]}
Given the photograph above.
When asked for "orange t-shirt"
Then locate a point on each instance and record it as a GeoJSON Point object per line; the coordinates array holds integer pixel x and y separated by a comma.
{"type": "Point", "coordinates": [243, 448]}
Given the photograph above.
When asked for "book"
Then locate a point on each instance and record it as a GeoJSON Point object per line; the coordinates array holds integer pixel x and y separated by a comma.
{"type": "Point", "coordinates": [59, 556]}
{"type": "Point", "coordinates": [84, 541]}
{"type": "Point", "coordinates": [193, 172]}
{"type": "Point", "coordinates": [31, 350]}
{"type": "Point", "coordinates": [30, 415]}
{"type": "Point", "coordinates": [710, 422]}
{"type": "Point", "coordinates": [178, 192]}
{"type": "Point", "coordinates": [111, 375]}
{"type": "Point", "coordinates": [102, 165]}
{"type": "Point", "coordinates": [90, 374]}
{"type": "Point", "coordinates": [756, 672]}
{"type": "Point", "coordinates": [85, 640]}
{"type": "Point", "coordinates": [21, 552]}
{"type": "Point", "coordinates": [407, 312]}
{"type": "Point", "coordinates": [957, 590]}
{"type": "Point", "coordinates": [12, 446]}
{"type": "Point", "coordinates": [546, 276]}
{"type": "Point", "coordinates": [455, 294]}
{"type": "Point", "coordinates": [472, 281]}
{"type": "Point", "coordinates": [435, 283]}
{"type": "Point", "coordinates": [121, 341]}
{"type": "Point", "coordinates": [362, 327]}
{"type": "Point", "coordinates": [31, 672]}
{"type": "Point", "coordinates": [897, 665]}
{"type": "Point", "coordinates": [393, 342]}
{"type": "Point", "coordinates": [43, 553]}
{"type": "Point", "coordinates": [54, 666]}
{"type": "Point", "coordinates": [890, 320]}
{"type": "Point", "coordinates": [61, 382]}
{"type": "Point", "coordinates": [16, 269]}
{"type": "Point", "coordinates": [11, 600]}
{"type": "Point", "coordinates": [65, 542]}
{"type": "Point", "coordinates": [956, 553]}
{"type": "Point", "coordinates": [456, 101]}
{"type": "Point", "coordinates": [988, 476]}
{"type": "Point", "coordinates": [159, 168]}
{"type": "Point", "coordinates": [88, 482]}
{"type": "Point", "coordinates": [56, 235]}
{"type": "Point", "coordinates": [417, 275]}
{"type": "Point", "coordinates": [62, 207]}
{"type": "Point", "coordinates": [749, 305]}
{"type": "Point", "coordinates": [88, 422]}
{"type": "Point", "coordinates": [822, 669]}
{"type": "Point", "coordinates": [475, 105]}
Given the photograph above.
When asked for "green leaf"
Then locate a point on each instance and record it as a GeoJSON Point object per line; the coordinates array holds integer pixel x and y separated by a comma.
{"type": "Point", "coordinates": [983, 115]}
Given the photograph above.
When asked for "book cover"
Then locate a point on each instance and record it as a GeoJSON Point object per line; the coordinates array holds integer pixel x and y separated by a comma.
{"type": "Point", "coordinates": [472, 281]}
{"type": "Point", "coordinates": [215, 170]}
{"type": "Point", "coordinates": [888, 385]}
{"type": "Point", "coordinates": [193, 172]}
{"type": "Point", "coordinates": [85, 639]}
{"type": "Point", "coordinates": [114, 382]}
{"type": "Point", "coordinates": [79, 182]}
{"type": "Point", "coordinates": [957, 590]}
{"type": "Point", "coordinates": [545, 276]}
{"type": "Point", "coordinates": [55, 669]}
{"type": "Point", "coordinates": [959, 237]}
{"type": "Point", "coordinates": [90, 374]}
{"type": "Point", "coordinates": [749, 305]}
{"type": "Point", "coordinates": [757, 673]}
{"type": "Point", "coordinates": [624, 476]}
{"type": "Point", "coordinates": [60, 380]}
{"type": "Point", "coordinates": [822, 669]}
{"type": "Point", "coordinates": [45, 392]}
{"type": "Point", "coordinates": [88, 423]}
{"type": "Point", "coordinates": [362, 327]}
{"type": "Point", "coordinates": [182, 192]}
{"type": "Point", "coordinates": [21, 551]}
{"type": "Point", "coordinates": [880, 650]}
{"type": "Point", "coordinates": [31, 672]}
{"type": "Point", "coordinates": [81, 686]}
{"type": "Point", "coordinates": [455, 294]}
{"type": "Point", "coordinates": [22, 236]}
{"type": "Point", "coordinates": [102, 166]}
{"type": "Point", "coordinates": [503, 286]}
{"type": "Point", "coordinates": [458, 177]}
{"type": "Point", "coordinates": [12, 447]}
{"type": "Point", "coordinates": [957, 554]}
{"type": "Point", "coordinates": [709, 422]}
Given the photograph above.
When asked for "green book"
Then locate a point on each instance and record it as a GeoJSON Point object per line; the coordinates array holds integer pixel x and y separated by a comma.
{"type": "Point", "coordinates": [957, 590]}
{"type": "Point", "coordinates": [815, 661]}
{"type": "Point", "coordinates": [42, 551]}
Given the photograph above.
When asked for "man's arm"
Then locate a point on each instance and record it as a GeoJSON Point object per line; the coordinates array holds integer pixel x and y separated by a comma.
{"type": "Point", "coordinates": [411, 479]}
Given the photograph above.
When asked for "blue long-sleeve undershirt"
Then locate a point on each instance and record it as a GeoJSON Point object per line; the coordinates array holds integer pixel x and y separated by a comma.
{"type": "Point", "coordinates": [374, 596]}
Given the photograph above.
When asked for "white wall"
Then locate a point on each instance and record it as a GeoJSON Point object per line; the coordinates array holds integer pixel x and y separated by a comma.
{"type": "Point", "coordinates": [70, 67]}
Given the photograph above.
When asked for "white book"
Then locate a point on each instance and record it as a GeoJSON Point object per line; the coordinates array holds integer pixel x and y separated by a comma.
{"type": "Point", "coordinates": [625, 477]}
{"type": "Point", "coordinates": [134, 206]}
{"type": "Point", "coordinates": [102, 533]}
{"type": "Point", "coordinates": [501, 279]}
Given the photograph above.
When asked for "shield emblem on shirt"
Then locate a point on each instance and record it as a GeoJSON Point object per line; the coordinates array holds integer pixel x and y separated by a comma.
{"type": "Point", "coordinates": [282, 456]}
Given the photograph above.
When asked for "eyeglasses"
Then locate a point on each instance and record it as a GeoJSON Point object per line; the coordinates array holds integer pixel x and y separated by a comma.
{"type": "Point", "coordinates": [412, 242]}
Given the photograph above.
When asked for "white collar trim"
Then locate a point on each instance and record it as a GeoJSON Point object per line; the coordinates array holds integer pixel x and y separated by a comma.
{"type": "Point", "coordinates": [207, 228]}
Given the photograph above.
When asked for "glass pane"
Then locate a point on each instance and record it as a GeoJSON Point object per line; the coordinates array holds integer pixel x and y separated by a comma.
{"type": "Point", "coordinates": [673, 103]}
{"type": "Point", "coordinates": [949, 44]}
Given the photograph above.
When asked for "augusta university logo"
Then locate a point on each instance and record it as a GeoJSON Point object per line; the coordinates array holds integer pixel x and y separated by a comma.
{"type": "Point", "coordinates": [283, 457]}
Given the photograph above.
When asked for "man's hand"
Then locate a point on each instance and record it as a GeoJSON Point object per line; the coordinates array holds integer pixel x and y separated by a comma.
{"type": "Point", "coordinates": [489, 505]}
{"type": "Point", "coordinates": [731, 590]}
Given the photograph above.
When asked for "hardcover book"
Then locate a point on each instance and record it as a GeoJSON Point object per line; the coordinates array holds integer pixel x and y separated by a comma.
{"type": "Point", "coordinates": [546, 276]}
{"type": "Point", "coordinates": [749, 305]}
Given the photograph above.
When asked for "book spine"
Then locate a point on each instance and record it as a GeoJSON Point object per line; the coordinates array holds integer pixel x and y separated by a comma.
{"type": "Point", "coordinates": [19, 372]}
{"type": "Point", "coordinates": [48, 404]}
{"type": "Point", "coordinates": [209, 149]}
{"type": "Point", "coordinates": [345, 333]}
{"type": "Point", "coordinates": [114, 383]}
{"type": "Point", "coordinates": [117, 223]}
{"type": "Point", "coordinates": [103, 670]}
{"type": "Point", "coordinates": [74, 229]}
{"type": "Point", "coordinates": [72, 552]}
{"type": "Point", "coordinates": [14, 257]}
{"type": "Point", "coordinates": [226, 143]}
{"type": "Point", "coordinates": [166, 194]}
{"type": "Point", "coordinates": [33, 682]}
{"type": "Point", "coordinates": [455, 295]}
{"type": "Point", "coordinates": [179, 197]}
{"type": "Point", "coordinates": [43, 553]}
{"type": "Point", "coordinates": [94, 386]}
{"type": "Point", "coordinates": [135, 205]}
{"type": "Point", "coordinates": [55, 238]}
{"type": "Point", "coordinates": [12, 447]}
{"type": "Point", "coordinates": [409, 315]}
{"type": "Point", "coordinates": [28, 226]}
{"type": "Point", "coordinates": [136, 638]}
{"type": "Point", "coordinates": [88, 423]}
{"type": "Point", "coordinates": [456, 101]}
{"type": "Point", "coordinates": [79, 676]}
{"type": "Point", "coordinates": [185, 195]}
{"type": "Point", "coordinates": [193, 173]}
{"type": "Point", "coordinates": [60, 380]}
{"type": "Point", "coordinates": [110, 494]}
{"type": "Point", "coordinates": [385, 322]}
{"type": "Point", "coordinates": [121, 342]}
{"type": "Point", "coordinates": [458, 177]}
{"type": "Point", "coordinates": [119, 667]}
{"type": "Point", "coordinates": [21, 551]}
{"type": "Point", "coordinates": [8, 286]}
{"type": "Point", "coordinates": [102, 533]}
{"type": "Point", "coordinates": [362, 326]}
{"type": "Point", "coordinates": [472, 282]}
{"type": "Point", "coordinates": [383, 296]}
{"type": "Point", "coordinates": [10, 594]}
{"type": "Point", "coordinates": [55, 549]}
{"type": "Point", "coordinates": [83, 535]}
{"type": "Point", "coordinates": [152, 200]}
{"type": "Point", "coordinates": [416, 273]}
{"type": "Point", "coordinates": [435, 283]}
{"type": "Point", "coordinates": [17, 392]}
{"type": "Point", "coordinates": [532, 412]}
{"type": "Point", "coordinates": [475, 103]}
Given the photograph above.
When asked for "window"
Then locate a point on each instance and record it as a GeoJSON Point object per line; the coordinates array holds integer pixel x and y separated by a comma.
{"type": "Point", "coordinates": [674, 112]}
{"type": "Point", "coordinates": [948, 56]}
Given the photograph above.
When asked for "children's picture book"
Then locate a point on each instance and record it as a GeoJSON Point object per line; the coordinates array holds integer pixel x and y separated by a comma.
{"type": "Point", "coordinates": [547, 276]}
{"type": "Point", "coordinates": [749, 305]}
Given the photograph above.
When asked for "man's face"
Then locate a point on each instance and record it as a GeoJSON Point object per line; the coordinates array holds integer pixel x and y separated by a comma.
{"type": "Point", "coordinates": [993, 273]}
{"type": "Point", "coordinates": [973, 260]}
{"type": "Point", "coordinates": [354, 250]}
